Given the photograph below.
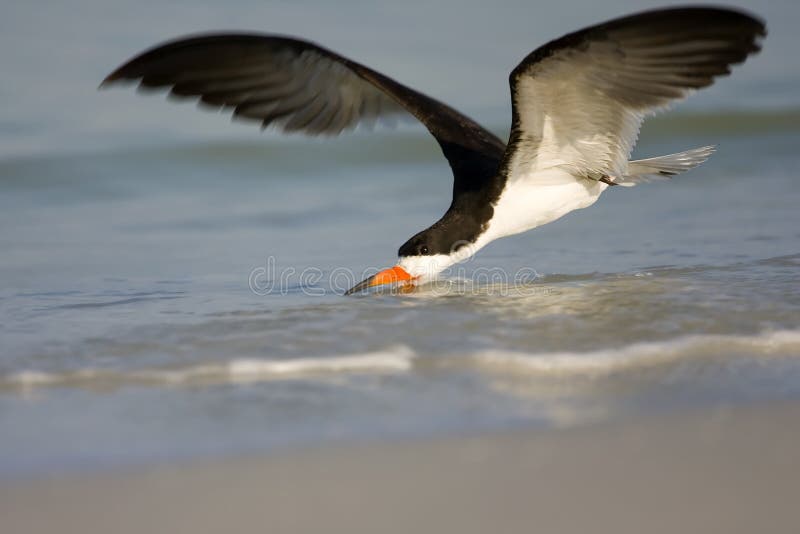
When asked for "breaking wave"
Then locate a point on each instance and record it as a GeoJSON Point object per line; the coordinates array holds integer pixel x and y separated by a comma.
{"type": "Point", "coordinates": [402, 359]}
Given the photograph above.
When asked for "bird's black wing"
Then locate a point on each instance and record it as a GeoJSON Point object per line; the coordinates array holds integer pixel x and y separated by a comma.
{"type": "Point", "coordinates": [299, 86]}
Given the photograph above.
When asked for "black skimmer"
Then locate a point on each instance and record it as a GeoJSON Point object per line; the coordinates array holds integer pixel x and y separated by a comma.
{"type": "Point", "coordinates": [577, 105]}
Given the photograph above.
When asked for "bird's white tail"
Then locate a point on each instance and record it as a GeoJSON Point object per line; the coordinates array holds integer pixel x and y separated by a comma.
{"type": "Point", "coordinates": [646, 170]}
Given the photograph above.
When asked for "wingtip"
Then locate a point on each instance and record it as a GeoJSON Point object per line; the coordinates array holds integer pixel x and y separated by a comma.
{"type": "Point", "coordinates": [760, 21]}
{"type": "Point", "coordinates": [108, 80]}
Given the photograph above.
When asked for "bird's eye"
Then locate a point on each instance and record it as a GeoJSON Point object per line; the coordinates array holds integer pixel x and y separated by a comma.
{"type": "Point", "coordinates": [423, 249]}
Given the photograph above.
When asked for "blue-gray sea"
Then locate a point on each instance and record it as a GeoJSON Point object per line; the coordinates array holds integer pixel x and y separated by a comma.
{"type": "Point", "coordinates": [171, 283]}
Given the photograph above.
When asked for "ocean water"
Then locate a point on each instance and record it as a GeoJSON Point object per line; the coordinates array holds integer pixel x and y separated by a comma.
{"type": "Point", "coordinates": [171, 285]}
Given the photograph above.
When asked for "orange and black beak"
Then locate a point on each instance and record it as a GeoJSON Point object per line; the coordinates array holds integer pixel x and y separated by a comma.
{"type": "Point", "coordinates": [388, 276]}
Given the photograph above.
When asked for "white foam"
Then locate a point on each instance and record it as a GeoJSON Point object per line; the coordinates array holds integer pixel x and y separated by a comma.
{"type": "Point", "coordinates": [392, 360]}
{"type": "Point", "coordinates": [400, 359]}
{"type": "Point", "coordinates": [640, 355]}
{"type": "Point", "coordinates": [397, 360]}
{"type": "Point", "coordinates": [29, 378]}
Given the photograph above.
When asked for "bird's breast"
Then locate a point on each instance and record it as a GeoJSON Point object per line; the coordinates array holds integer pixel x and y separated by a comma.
{"type": "Point", "coordinates": [539, 198]}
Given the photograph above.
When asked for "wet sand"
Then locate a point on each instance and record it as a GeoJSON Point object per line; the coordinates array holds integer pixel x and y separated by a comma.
{"type": "Point", "coordinates": [721, 470]}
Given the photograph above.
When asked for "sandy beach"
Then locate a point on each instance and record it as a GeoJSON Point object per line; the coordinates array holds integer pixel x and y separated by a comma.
{"type": "Point", "coordinates": [722, 470]}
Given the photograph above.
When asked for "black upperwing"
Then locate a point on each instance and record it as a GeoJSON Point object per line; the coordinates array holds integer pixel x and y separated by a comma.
{"type": "Point", "coordinates": [298, 86]}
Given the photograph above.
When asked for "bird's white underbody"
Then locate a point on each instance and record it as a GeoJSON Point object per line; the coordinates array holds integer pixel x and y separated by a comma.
{"type": "Point", "coordinates": [526, 203]}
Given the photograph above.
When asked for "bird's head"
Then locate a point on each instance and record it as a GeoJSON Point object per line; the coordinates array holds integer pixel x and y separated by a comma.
{"type": "Point", "coordinates": [423, 257]}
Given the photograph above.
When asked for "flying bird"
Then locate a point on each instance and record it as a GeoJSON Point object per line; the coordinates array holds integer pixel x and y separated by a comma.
{"type": "Point", "coordinates": [577, 105]}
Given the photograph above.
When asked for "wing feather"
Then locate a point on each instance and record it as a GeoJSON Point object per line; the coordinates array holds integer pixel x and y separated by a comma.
{"type": "Point", "coordinates": [578, 101]}
{"type": "Point", "coordinates": [298, 86]}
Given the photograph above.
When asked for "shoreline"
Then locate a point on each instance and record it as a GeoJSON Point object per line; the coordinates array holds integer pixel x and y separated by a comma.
{"type": "Point", "coordinates": [721, 470]}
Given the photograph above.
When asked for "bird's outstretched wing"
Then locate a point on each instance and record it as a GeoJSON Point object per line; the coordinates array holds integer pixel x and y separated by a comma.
{"type": "Point", "coordinates": [578, 101]}
{"type": "Point", "coordinates": [298, 86]}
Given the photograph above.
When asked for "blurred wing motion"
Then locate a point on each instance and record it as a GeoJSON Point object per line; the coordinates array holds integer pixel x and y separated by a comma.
{"type": "Point", "coordinates": [298, 86]}
{"type": "Point", "coordinates": [578, 101]}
